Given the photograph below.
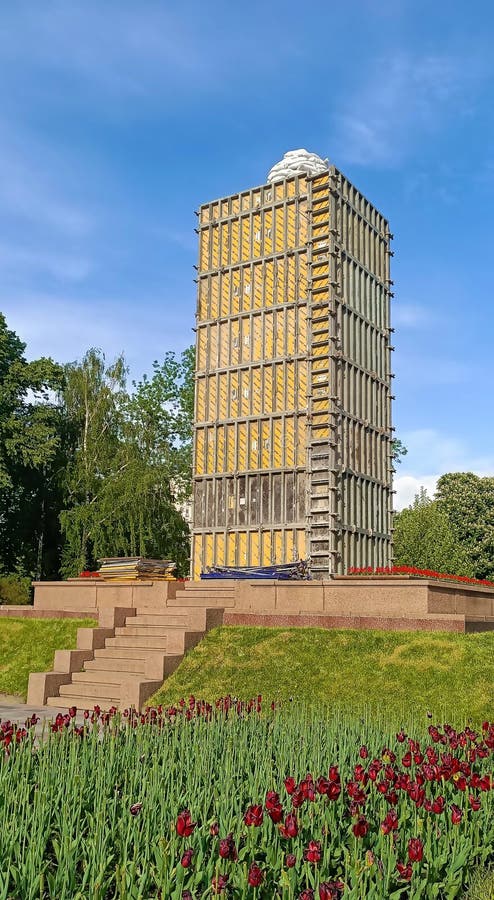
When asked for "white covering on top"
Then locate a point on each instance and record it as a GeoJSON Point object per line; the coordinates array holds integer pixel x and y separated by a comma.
{"type": "Point", "coordinates": [297, 162]}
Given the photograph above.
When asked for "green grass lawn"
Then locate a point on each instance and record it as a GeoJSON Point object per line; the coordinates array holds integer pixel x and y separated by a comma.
{"type": "Point", "coordinates": [28, 645]}
{"type": "Point", "coordinates": [400, 673]}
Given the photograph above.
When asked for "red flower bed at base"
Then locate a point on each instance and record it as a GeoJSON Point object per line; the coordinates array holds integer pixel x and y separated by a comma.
{"type": "Point", "coordinates": [419, 573]}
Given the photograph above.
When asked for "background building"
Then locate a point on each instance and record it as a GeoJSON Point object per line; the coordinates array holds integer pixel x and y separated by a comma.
{"type": "Point", "coordinates": [292, 441]}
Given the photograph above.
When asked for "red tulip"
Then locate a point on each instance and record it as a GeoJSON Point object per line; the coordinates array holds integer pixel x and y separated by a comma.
{"type": "Point", "coordinates": [415, 850]}
{"type": "Point", "coordinates": [290, 828]}
{"type": "Point", "coordinates": [227, 849]}
{"type": "Point", "coordinates": [187, 858]}
{"type": "Point", "coordinates": [363, 752]}
{"type": "Point", "coordinates": [474, 803]}
{"type": "Point", "coordinates": [254, 816]}
{"type": "Point", "coordinates": [330, 890]}
{"type": "Point", "coordinates": [135, 809]}
{"type": "Point", "coordinates": [255, 875]}
{"type": "Point", "coordinates": [290, 860]}
{"type": "Point", "coordinates": [405, 871]}
{"type": "Point", "coordinates": [313, 852]}
{"type": "Point", "coordinates": [361, 827]}
{"type": "Point", "coordinates": [275, 813]}
{"type": "Point", "coordinates": [390, 823]}
{"type": "Point", "coordinates": [308, 894]}
{"type": "Point", "coordinates": [456, 814]}
{"type": "Point", "coordinates": [290, 785]}
{"type": "Point", "coordinates": [219, 883]}
{"type": "Point", "coordinates": [185, 826]}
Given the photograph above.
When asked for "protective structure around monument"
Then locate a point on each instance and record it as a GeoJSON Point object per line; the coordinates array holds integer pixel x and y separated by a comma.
{"type": "Point", "coordinates": [292, 438]}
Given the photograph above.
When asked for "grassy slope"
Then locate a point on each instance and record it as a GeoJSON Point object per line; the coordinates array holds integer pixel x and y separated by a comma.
{"type": "Point", "coordinates": [28, 645]}
{"type": "Point", "coordinates": [401, 673]}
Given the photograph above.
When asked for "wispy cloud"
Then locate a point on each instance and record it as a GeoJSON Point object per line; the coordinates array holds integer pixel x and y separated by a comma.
{"type": "Point", "coordinates": [59, 265]}
{"type": "Point", "coordinates": [411, 315]}
{"type": "Point", "coordinates": [403, 99]}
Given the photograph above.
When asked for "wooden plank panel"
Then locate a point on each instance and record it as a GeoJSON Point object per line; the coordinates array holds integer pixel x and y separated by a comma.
{"type": "Point", "coordinates": [289, 441]}
{"type": "Point", "coordinates": [210, 439]}
{"type": "Point", "coordinates": [246, 235]}
{"type": "Point", "coordinates": [268, 232]}
{"type": "Point", "coordinates": [225, 294]}
{"type": "Point", "coordinates": [203, 299]}
{"type": "Point", "coordinates": [268, 389]}
{"type": "Point", "coordinates": [234, 396]}
{"type": "Point", "coordinates": [258, 285]}
{"type": "Point", "coordinates": [197, 556]}
{"type": "Point", "coordinates": [301, 441]}
{"type": "Point", "coordinates": [242, 548]}
{"type": "Point", "coordinates": [215, 249]}
{"type": "Point", "coordinates": [290, 331]}
{"type": "Point", "coordinates": [268, 335]}
{"type": "Point", "coordinates": [235, 242]}
{"type": "Point", "coordinates": [200, 461]}
{"type": "Point", "coordinates": [231, 549]}
{"type": "Point", "coordinates": [256, 391]}
{"type": "Point", "coordinates": [291, 241]}
{"type": "Point", "coordinates": [246, 288]}
{"type": "Point", "coordinates": [242, 447]}
{"type": "Point", "coordinates": [266, 547]}
{"type": "Point", "coordinates": [254, 445]}
{"type": "Point", "coordinates": [266, 444]}
{"type": "Point", "coordinates": [209, 550]}
{"type": "Point", "coordinates": [219, 552]}
{"type": "Point", "coordinates": [256, 235]}
{"type": "Point", "coordinates": [277, 444]}
{"type": "Point", "coordinates": [269, 298]}
{"type": "Point", "coordinates": [220, 448]}
{"type": "Point", "coordinates": [201, 399]}
{"type": "Point", "coordinates": [254, 549]}
{"type": "Point", "coordinates": [212, 413]}
{"type": "Point", "coordinates": [290, 385]}
{"type": "Point", "coordinates": [223, 395]}
{"type": "Point", "coordinates": [204, 261]}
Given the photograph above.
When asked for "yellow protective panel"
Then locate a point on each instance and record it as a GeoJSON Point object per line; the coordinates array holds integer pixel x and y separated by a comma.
{"type": "Point", "coordinates": [256, 235]}
{"type": "Point", "coordinates": [320, 365]}
{"type": "Point", "coordinates": [290, 385]}
{"type": "Point", "coordinates": [225, 243]}
{"type": "Point", "coordinates": [235, 205]}
{"type": "Point", "coordinates": [245, 201]}
{"type": "Point", "coordinates": [279, 191]}
{"type": "Point", "coordinates": [302, 330]}
{"type": "Point", "coordinates": [197, 556]}
{"type": "Point", "coordinates": [290, 331]}
{"type": "Point", "coordinates": [277, 444]}
{"type": "Point", "coordinates": [225, 294]}
{"type": "Point", "coordinates": [291, 287]}
{"type": "Point", "coordinates": [280, 281]}
{"type": "Point", "coordinates": [242, 548]}
{"type": "Point", "coordinates": [223, 395]}
{"type": "Point", "coordinates": [256, 338]}
{"type": "Point", "coordinates": [201, 399]}
{"type": "Point", "coordinates": [268, 335]}
{"type": "Point", "coordinates": [242, 446]}
{"type": "Point", "coordinates": [268, 390]}
{"type": "Point", "coordinates": [234, 398]}
{"type": "Point", "coordinates": [266, 444]}
{"type": "Point", "coordinates": [203, 298]}
{"type": "Point", "coordinates": [236, 290]}
{"type": "Point", "coordinates": [301, 543]}
{"type": "Point", "coordinates": [290, 188]}
{"type": "Point", "coordinates": [210, 444]}
{"type": "Point", "coordinates": [212, 399]}
{"type": "Point", "coordinates": [279, 227]}
{"type": "Point", "coordinates": [219, 552]}
{"type": "Point", "coordinates": [202, 341]}
{"type": "Point", "coordinates": [230, 448]}
{"type": "Point", "coordinates": [224, 328]}
{"type": "Point", "coordinates": [215, 250]}
{"type": "Point", "coordinates": [235, 242]}
{"type": "Point", "coordinates": [254, 446]}
{"type": "Point", "coordinates": [269, 282]}
{"type": "Point", "coordinates": [245, 398]}
{"type": "Point", "coordinates": [289, 442]}
{"type": "Point", "coordinates": [254, 549]}
{"type": "Point", "coordinates": [204, 251]}
{"type": "Point", "coordinates": [231, 546]}
{"type": "Point", "coordinates": [220, 448]}
{"type": "Point", "coordinates": [200, 451]}
{"type": "Point", "coordinates": [235, 343]}
{"type": "Point", "coordinates": [266, 548]}
{"type": "Point", "coordinates": [289, 544]}
{"type": "Point", "coordinates": [258, 285]}
{"type": "Point", "coordinates": [268, 232]}
{"type": "Point", "coordinates": [256, 199]}
{"type": "Point", "coordinates": [245, 241]}
{"type": "Point", "coordinates": [321, 180]}
{"type": "Point", "coordinates": [204, 215]}
{"type": "Point", "coordinates": [209, 550]}
{"type": "Point", "coordinates": [212, 361]}
{"type": "Point", "coordinates": [320, 351]}
{"type": "Point", "coordinates": [301, 384]}
{"type": "Point", "coordinates": [247, 289]}
{"type": "Point", "coordinates": [301, 439]}
{"type": "Point", "coordinates": [279, 388]}
{"type": "Point", "coordinates": [290, 231]}
{"type": "Point", "coordinates": [215, 297]}
{"type": "Point", "coordinates": [278, 546]}
{"type": "Point", "coordinates": [302, 222]}
{"type": "Point", "coordinates": [225, 208]}
{"type": "Point", "coordinates": [256, 391]}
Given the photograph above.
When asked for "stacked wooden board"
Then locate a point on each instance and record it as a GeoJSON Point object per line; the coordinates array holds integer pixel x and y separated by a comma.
{"type": "Point", "coordinates": [136, 568]}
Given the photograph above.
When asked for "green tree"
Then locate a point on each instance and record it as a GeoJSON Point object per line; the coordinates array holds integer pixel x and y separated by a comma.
{"type": "Point", "coordinates": [31, 445]}
{"type": "Point", "coordinates": [398, 451]}
{"type": "Point", "coordinates": [468, 502]}
{"type": "Point", "coordinates": [425, 538]}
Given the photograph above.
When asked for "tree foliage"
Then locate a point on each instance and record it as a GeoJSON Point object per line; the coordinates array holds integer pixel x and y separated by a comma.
{"type": "Point", "coordinates": [468, 502]}
{"type": "Point", "coordinates": [424, 537]}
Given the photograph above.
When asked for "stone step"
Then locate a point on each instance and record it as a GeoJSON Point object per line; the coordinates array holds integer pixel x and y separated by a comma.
{"type": "Point", "coordinates": [98, 677]}
{"type": "Point", "coordinates": [83, 702]}
{"type": "Point", "coordinates": [169, 642]}
{"type": "Point", "coordinates": [124, 653]}
{"type": "Point", "coordinates": [97, 690]}
{"type": "Point", "coordinates": [144, 630]}
{"type": "Point", "coordinates": [180, 620]}
{"type": "Point", "coordinates": [115, 664]}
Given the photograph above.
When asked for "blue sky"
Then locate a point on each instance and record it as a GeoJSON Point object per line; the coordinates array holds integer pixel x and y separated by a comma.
{"type": "Point", "coordinates": [118, 119]}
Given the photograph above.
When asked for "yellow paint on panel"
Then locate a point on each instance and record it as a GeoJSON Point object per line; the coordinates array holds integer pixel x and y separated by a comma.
{"type": "Point", "coordinates": [279, 227]}
{"type": "Point", "coordinates": [290, 231]}
{"type": "Point", "coordinates": [320, 351]}
{"type": "Point", "coordinates": [197, 557]}
{"type": "Point", "coordinates": [236, 290]}
{"type": "Point", "coordinates": [256, 199]}
{"type": "Point", "coordinates": [209, 550]}
{"type": "Point", "coordinates": [268, 390]}
{"type": "Point", "coordinates": [220, 448]}
{"type": "Point", "coordinates": [302, 330]}
{"type": "Point", "coordinates": [254, 445]}
{"type": "Point", "coordinates": [202, 349]}
{"type": "Point", "coordinates": [278, 547]}
{"type": "Point", "coordinates": [201, 400]}
{"type": "Point", "coordinates": [202, 306]}
{"type": "Point", "coordinates": [219, 552]}
{"type": "Point", "coordinates": [235, 342]}
{"type": "Point", "coordinates": [279, 191]}
{"type": "Point", "coordinates": [268, 335]}
{"type": "Point", "coordinates": [320, 181]}
{"type": "Point", "coordinates": [289, 442]}
{"type": "Point", "coordinates": [279, 388]}
{"type": "Point", "coordinates": [235, 206]}
{"type": "Point", "coordinates": [200, 451]}
{"type": "Point", "coordinates": [301, 545]}
{"type": "Point", "coordinates": [224, 328]}
{"type": "Point", "coordinates": [215, 247]}
{"type": "Point", "coordinates": [289, 544]}
{"type": "Point", "coordinates": [320, 269]}
{"type": "Point", "coordinates": [211, 446]}
{"type": "Point", "coordinates": [277, 444]}
{"type": "Point", "coordinates": [258, 285]}
{"type": "Point", "coordinates": [215, 296]}
{"type": "Point", "coordinates": [256, 391]}
{"type": "Point", "coordinates": [245, 391]}
{"type": "Point", "coordinates": [301, 439]}
{"type": "Point", "coordinates": [245, 243]}
{"type": "Point", "coordinates": [223, 395]}
{"type": "Point", "coordinates": [234, 398]}
{"type": "Point", "coordinates": [290, 331]}
{"type": "Point", "coordinates": [235, 242]}
{"type": "Point", "coordinates": [291, 290]}
{"type": "Point", "coordinates": [266, 548]}
{"type": "Point", "coordinates": [290, 385]}
{"type": "Point", "coordinates": [320, 365]}
{"type": "Point", "coordinates": [225, 294]}
{"type": "Point", "coordinates": [225, 243]}
{"type": "Point", "coordinates": [212, 399]}
{"type": "Point", "coordinates": [204, 215]}
{"type": "Point", "coordinates": [204, 251]}
{"type": "Point", "coordinates": [230, 448]}
{"type": "Point", "coordinates": [231, 547]}
{"type": "Point", "coordinates": [254, 549]}
{"type": "Point", "coordinates": [212, 360]}
{"type": "Point", "coordinates": [301, 384]}
{"type": "Point", "coordinates": [268, 282]}
{"type": "Point", "coordinates": [245, 201]}
{"type": "Point", "coordinates": [246, 288]}
{"type": "Point", "coordinates": [225, 208]}
{"type": "Point", "coordinates": [302, 222]}
{"type": "Point", "coordinates": [256, 235]}
{"type": "Point", "coordinates": [268, 232]}
{"type": "Point", "coordinates": [242, 549]}
{"type": "Point", "coordinates": [290, 188]}
{"type": "Point", "coordinates": [256, 338]}
{"type": "Point", "coordinates": [279, 288]}
{"type": "Point", "coordinates": [320, 431]}
{"type": "Point", "coordinates": [242, 446]}
{"type": "Point", "coordinates": [265, 444]}
{"type": "Point", "coordinates": [245, 341]}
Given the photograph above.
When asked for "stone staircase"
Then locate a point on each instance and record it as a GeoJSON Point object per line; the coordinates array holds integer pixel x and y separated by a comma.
{"type": "Point", "coordinates": [126, 663]}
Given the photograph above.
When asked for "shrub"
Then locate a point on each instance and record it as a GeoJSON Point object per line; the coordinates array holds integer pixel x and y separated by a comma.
{"type": "Point", "coordinates": [15, 590]}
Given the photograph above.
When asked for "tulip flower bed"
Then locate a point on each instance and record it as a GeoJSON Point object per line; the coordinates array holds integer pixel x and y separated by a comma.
{"type": "Point", "coordinates": [420, 573]}
{"type": "Point", "coordinates": [198, 801]}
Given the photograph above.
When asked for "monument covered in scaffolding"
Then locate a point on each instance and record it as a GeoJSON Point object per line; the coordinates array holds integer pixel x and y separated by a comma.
{"type": "Point", "coordinates": [293, 436]}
